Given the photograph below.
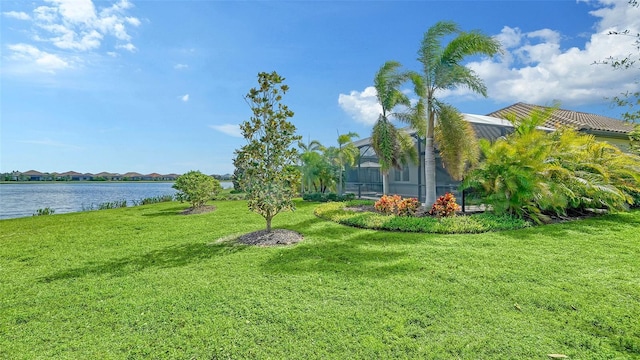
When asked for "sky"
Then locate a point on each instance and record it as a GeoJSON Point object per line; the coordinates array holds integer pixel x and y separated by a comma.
{"type": "Point", "coordinates": [158, 86]}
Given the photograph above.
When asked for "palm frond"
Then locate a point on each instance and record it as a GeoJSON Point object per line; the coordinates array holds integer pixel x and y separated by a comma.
{"type": "Point", "coordinates": [457, 142]}
{"type": "Point", "coordinates": [430, 51]}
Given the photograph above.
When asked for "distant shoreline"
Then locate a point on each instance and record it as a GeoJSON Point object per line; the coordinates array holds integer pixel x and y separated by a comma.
{"type": "Point", "coordinates": [88, 181]}
{"type": "Point", "coordinates": [41, 182]}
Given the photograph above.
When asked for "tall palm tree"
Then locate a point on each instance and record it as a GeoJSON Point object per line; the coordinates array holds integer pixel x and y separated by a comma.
{"type": "Point", "coordinates": [441, 69]}
{"type": "Point", "coordinates": [392, 146]}
{"type": "Point", "coordinates": [346, 154]}
{"type": "Point", "coordinates": [313, 146]}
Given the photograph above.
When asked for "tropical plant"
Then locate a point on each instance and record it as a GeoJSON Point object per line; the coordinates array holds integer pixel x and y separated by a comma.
{"type": "Point", "coordinates": [533, 174]}
{"type": "Point", "coordinates": [445, 206]}
{"type": "Point", "coordinates": [396, 205]}
{"type": "Point", "coordinates": [393, 147]}
{"type": "Point", "coordinates": [320, 171]}
{"type": "Point", "coordinates": [634, 140]}
{"type": "Point", "coordinates": [270, 176]}
{"type": "Point", "coordinates": [442, 70]}
{"type": "Point", "coordinates": [306, 159]}
{"type": "Point", "coordinates": [407, 207]}
{"type": "Point", "coordinates": [196, 188]}
{"type": "Point", "coordinates": [347, 154]}
{"type": "Point", "coordinates": [387, 204]}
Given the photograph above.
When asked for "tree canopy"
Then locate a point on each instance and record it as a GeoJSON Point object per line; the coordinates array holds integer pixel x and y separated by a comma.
{"type": "Point", "coordinates": [270, 176]}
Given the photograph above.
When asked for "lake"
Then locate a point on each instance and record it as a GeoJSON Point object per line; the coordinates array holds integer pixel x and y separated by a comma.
{"type": "Point", "coordinates": [24, 199]}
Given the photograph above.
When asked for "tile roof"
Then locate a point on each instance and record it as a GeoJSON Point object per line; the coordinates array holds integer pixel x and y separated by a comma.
{"type": "Point", "coordinates": [574, 119]}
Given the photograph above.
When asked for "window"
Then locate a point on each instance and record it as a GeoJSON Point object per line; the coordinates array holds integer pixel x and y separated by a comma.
{"type": "Point", "coordinates": [401, 175]}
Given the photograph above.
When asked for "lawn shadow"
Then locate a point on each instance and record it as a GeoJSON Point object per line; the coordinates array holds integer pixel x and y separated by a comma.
{"type": "Point", "coordinates": [172, 256]}
{"type": "Point", "coordinates": [366, 254]}
{"type": "Point", "coordinates": [311, 227]}
{"type": "Point", "coordinates": [172, 211]}
{"type": "Point", "coordinates": [570, 229]}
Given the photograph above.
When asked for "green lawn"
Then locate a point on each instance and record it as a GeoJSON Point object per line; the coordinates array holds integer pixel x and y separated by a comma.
{"type": "Point", "coordinates": [144, 282]}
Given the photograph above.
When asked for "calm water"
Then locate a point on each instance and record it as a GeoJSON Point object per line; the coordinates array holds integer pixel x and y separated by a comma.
{"type": "Point", "coordinates": [19, 200]}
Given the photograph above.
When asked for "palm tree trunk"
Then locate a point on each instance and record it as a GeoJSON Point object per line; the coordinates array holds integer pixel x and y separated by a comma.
{"type": "Point", "coordinates": [429, 172]}
{"type": "Point", "coordinates": [385, 183]}
{"type": "Point", "coordinates": [340, 183]}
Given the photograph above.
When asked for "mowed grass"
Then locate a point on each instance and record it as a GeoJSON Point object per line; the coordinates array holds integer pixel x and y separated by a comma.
{"type": "Point", "coordinates": [146, 282]}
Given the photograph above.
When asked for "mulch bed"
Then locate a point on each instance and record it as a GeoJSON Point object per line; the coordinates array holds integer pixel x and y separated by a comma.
{"type": "Point", "coordinates": [275, 237]}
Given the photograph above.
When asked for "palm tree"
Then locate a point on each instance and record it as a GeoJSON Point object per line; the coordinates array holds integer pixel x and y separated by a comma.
{"type": "Point", "coordinates": [392, 146]}
{"type": "Point", "coordinates": [346, 154]}
{"type": "Point", "coordinates": [441, 69]}
{"type": "Point", "coordinates": [313, 146]}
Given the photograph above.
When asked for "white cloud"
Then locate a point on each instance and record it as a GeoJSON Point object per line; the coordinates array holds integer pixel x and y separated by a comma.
{"type": "Point", "coordinates": [75, 11]}
{"type": "Point", "coordinates": [75, 26]}
{"type": "Point", "coordinates": [229, 129]}
{"type": "Point", "coordinates": [42, 61]}
{"type": "Point", "coordinates": [129, 47]}
{"type": "Point", "coordinates": [184, 97]}
{"type": "Point", "coordinates": [50, 143]}
{"type": "Point", "coordinates": [17, 15]}
{"type": "Point", "coordinates": [536, 69]}
{"type": "Point", "coordinates": [362, 106]}
{"type": "Point", "coordinates": [180, 66]}
{"type": "Point", "coordinates": [132, 21]}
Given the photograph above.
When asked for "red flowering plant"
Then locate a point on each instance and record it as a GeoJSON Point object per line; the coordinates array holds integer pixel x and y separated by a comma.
{"type": "Point", "coordinates": [407, 207]}
{"type": "Point", "coordinates": [387, 204]}
{"type": "Point", "coordinates": [445, 205]}
{"type": "Point", "coordinates": [395, 204]}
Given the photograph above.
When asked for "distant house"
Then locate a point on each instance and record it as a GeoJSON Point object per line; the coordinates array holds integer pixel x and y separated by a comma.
{"type": "Point", "coordinates": [132, 176]}
{"type": "Point", "coordinates": [33, 175]}
{"type": "Point", "coordinates": [105, 176]}
{"type": "Point", "coordinates": [74, 176]}
{"type": "Point", "coordinates": [613, 131]}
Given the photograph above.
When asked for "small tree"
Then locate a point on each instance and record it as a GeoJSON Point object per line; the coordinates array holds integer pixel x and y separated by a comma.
{"type": "Point", "coordinates": [270, 176]}
{"type": "Point", "coordinates": [196, 188]}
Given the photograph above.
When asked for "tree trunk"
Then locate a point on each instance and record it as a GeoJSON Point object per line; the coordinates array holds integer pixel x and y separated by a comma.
{"type": "Point", "coordinates": [340, 184]}
{"type": "Point", "coordinates": [268, 218]}
{"type": "Point", "coordinates": [385, 183]}
{"type": "Point", "coordinates": [429, 172]}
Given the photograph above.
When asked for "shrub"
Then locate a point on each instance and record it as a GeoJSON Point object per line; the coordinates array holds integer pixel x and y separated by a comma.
{"type": "Point", "coordinates": [387, 204]}
{"type": "Point", "coordinates": [154, 200]}
{"type": "Point", "coordinates": [445, 206]}
{"type": "Point", "coordinates": [113, 205]}
{"type": "Point", "coordinates": [196, 188]}
{"type": "Point", "coordinates": [44, 211]}
{"type": "Point", "coordinates": [407, 207]}
{"type": "Point", "coordinates": [394, 204]}
{"type": "Point", "coordinates": [325, 197]}
{"type": "Point", "coordinates": [533, 174]}
{"type": "Point", "coordinates": [475, 223]}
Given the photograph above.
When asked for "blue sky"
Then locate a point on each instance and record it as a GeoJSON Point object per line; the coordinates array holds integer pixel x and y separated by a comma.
{"type": "Point", "coordinates": [158, 86]}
